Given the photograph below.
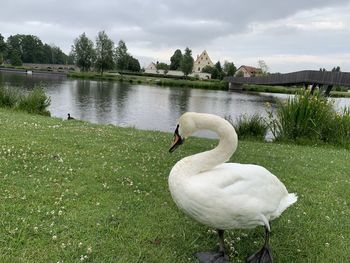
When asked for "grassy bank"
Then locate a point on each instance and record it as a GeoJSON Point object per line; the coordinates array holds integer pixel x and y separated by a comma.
{"type": "Point", "coordinates": [72, 191]}
{"type": "Point", "coordinates": [153, 80]}
{"type": "Point", "coordinates": [190, 83]}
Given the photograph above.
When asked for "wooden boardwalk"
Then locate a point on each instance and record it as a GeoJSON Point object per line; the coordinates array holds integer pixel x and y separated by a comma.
{"type": "Point", "coordinates": [305, 78]}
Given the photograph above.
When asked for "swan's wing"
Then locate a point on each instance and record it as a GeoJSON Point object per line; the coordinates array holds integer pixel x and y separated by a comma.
{"type": "Point", "coordinates": [245, 189]}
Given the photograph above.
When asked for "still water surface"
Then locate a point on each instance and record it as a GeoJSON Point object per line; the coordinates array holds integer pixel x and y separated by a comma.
{"type": "Point", "coordinates": [140, 106]}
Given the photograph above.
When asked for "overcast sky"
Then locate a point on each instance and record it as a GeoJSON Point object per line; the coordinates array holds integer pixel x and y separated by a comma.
{"type": "Point", "coordinates": [288, 35]}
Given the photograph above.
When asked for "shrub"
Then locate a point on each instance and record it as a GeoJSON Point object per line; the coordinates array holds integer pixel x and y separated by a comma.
{"type": "Point", "coordinates": [337, 130]}
{"type": "Point", "coordinates": [302, 116]}
{"type": "Point", "coordinates": [35, 102]}
{"type": "Point", "coordinates": [8, 98]}
{"type": "Point", "coordinates": [250, 127]}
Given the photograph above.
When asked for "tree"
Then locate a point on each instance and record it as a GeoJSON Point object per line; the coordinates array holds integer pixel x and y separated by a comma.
{"type": "Point", "coordinates": [208, 69]}
{"type": "Point", "coordinates": [2, 49]}
{"type": "Point", "coordinates": [104, 52]}
{"type": "Point", "coordinates": [229, 68]}
{"type": "Point", "coordinates": [13, 44]}
{"type": "Point", "coordinates": [175, 60]}
{"type": "Point", "coordinates": [336, 69]}
{"type": "Point", "coordinates": [162, 66]}
{"type": "Point", "coordinates": [83, 52]}
{"type": "Point", "coordinates": [187, 62]}
{"type": "Point", "coordinates": [123, 60]}
{"type": "Point", "coordinates": [121, 56]}
{"type": "Point", "coordinates": [16, 58]}
{"type": "Point", "coordinates": [220, 72]}
{"type": "Point", "coordinates": [31, 49]}
{"type": "Point", "coordinates": [263, 66]}
{"type": "Point", "coordinates": [133, 64]}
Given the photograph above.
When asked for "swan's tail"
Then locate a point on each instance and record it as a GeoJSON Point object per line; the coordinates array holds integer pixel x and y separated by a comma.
{"type": "Point", "coordinates": [286, 202]}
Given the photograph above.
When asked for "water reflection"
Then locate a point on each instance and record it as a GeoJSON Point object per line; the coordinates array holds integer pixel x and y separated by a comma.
{"type": "Point", "coordinates": [140, 106]}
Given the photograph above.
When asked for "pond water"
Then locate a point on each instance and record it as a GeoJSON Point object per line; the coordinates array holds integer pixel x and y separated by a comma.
{"type": "Point", "coordinates": [140, 106]}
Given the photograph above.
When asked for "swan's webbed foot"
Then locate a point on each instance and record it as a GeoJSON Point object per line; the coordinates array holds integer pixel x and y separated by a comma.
{"type": "Point", "coordinates": [264, 255]}
{"type": "Point", "coordinates": [209, 257]}
{"type": "Point", "coordinates": [218, 257]}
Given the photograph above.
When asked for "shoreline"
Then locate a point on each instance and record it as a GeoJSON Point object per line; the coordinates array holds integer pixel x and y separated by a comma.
{"type": "Point", "coordinates": [166, 81]}
{"type": "Point", "coordinates": [33, 72]}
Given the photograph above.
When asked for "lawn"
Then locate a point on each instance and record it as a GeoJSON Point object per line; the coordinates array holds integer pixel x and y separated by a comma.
{"type": "Point", "coordinates": [72, 191]}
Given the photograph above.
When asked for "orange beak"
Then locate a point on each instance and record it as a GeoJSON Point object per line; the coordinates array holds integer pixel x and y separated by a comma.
{"type": "Point", "coordinates": [177, 140]}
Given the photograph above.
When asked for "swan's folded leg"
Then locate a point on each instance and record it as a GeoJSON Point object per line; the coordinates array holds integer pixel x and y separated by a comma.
{"type": "Point", "coordinates": [219, 257]}
{"type": "Point", "coordinates": [264, 255]}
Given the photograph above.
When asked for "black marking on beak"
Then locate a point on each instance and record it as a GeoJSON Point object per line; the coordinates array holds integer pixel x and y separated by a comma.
{"type": "Point", "coordinates": [177, 140]}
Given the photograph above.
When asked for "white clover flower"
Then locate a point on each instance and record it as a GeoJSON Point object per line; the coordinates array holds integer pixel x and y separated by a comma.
{"type": "Point", "coordinates": [89, 250]}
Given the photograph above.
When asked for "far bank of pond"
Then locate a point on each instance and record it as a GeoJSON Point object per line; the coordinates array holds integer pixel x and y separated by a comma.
{"type": "Point", "coordinates": [169, 81]}
{"type": "Point", "coordinates": [165, 80]}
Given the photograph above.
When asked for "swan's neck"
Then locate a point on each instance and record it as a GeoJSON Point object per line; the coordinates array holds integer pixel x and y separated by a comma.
{"type": "Point", "coordinates": [207, 160]}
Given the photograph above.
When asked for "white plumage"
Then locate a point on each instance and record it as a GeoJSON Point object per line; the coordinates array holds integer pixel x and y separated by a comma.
{"type": "Point", "coordinates": [224, 195]}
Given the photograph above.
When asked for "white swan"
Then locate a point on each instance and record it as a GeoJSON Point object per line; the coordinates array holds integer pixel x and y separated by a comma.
{"type": "Point", "coordinates": [224, 195]}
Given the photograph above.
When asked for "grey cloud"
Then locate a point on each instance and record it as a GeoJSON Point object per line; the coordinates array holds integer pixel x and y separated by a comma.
{"type": "Point", "coordinates": [223, 24]}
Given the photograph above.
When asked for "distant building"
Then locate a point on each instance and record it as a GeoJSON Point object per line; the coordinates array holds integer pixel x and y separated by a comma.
{"type": "Point", "coordinates": [151, 66]}
{"type": "Point", "coordinates": [152, 69]}
{"type": "Point", "coordinates": [247, 71]}
{"type": "Point", "coordinates": [202, 61]}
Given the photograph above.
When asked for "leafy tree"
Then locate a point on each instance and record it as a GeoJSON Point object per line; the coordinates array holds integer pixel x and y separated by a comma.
{"type": "Point", "coordinates": [104, 52]}
{"type": "Point", "coordinates": [2, 48]}
{"type": "Point", "coordinates": [2, 44]}
{"type": "Point", "coordinates": [123, 60]}
{"type": "Point", "coordinates": [263, 66]}
{"type": "Point", "coordinates": [83, 52]}
{"type": "Point", "coordinates": [187, 62]}
{"type": "Point", "coordinates": [175, 60]}
{"type": "Point", "coordinates": [163, 66]}
{"type": "Point", "coordinates": [58, 57]}
{"type": "Point", "coordinates": [13, 44]}
{"type": "Point", "coordinates": [218, 72]}
{"type": "Point", "coordinates": [208, 69]}
{"type": "Point", "coordinates": [336, 69]}
{"type": "Point", "coordinates": [121, 56]}
{"type": "Point", "coordinates": [215, 73]}
{"type": "Point", "coordinates": [229, 68]}
{"type": "Point", "coordinates": [16, 58]}
{"type": "Point", "coordinates": [31, 49]}
{"type": "Point", "coordinates": [133, 64]}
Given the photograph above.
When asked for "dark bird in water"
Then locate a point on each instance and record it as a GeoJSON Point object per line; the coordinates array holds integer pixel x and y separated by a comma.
{"type": "Point", "coordinates": [69, 117]}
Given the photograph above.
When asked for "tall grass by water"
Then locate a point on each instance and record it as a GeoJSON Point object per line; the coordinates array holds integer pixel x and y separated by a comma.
{"type": "Point", "coordinates": [310, 118]}
{"type": "Point", "coordinates": [250, 127]}
{"type": "Point", "coordinates": [35, 101]}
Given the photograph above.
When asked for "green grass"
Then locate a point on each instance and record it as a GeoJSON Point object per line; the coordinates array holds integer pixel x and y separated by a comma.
{"type": "Point", "coordinates": [71, 189]}
{"type": "Point", "coordinates": [270, 89]}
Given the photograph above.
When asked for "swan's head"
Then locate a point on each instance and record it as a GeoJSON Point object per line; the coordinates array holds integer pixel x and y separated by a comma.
{"type": "Point", "coordinates": [184, 129]}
